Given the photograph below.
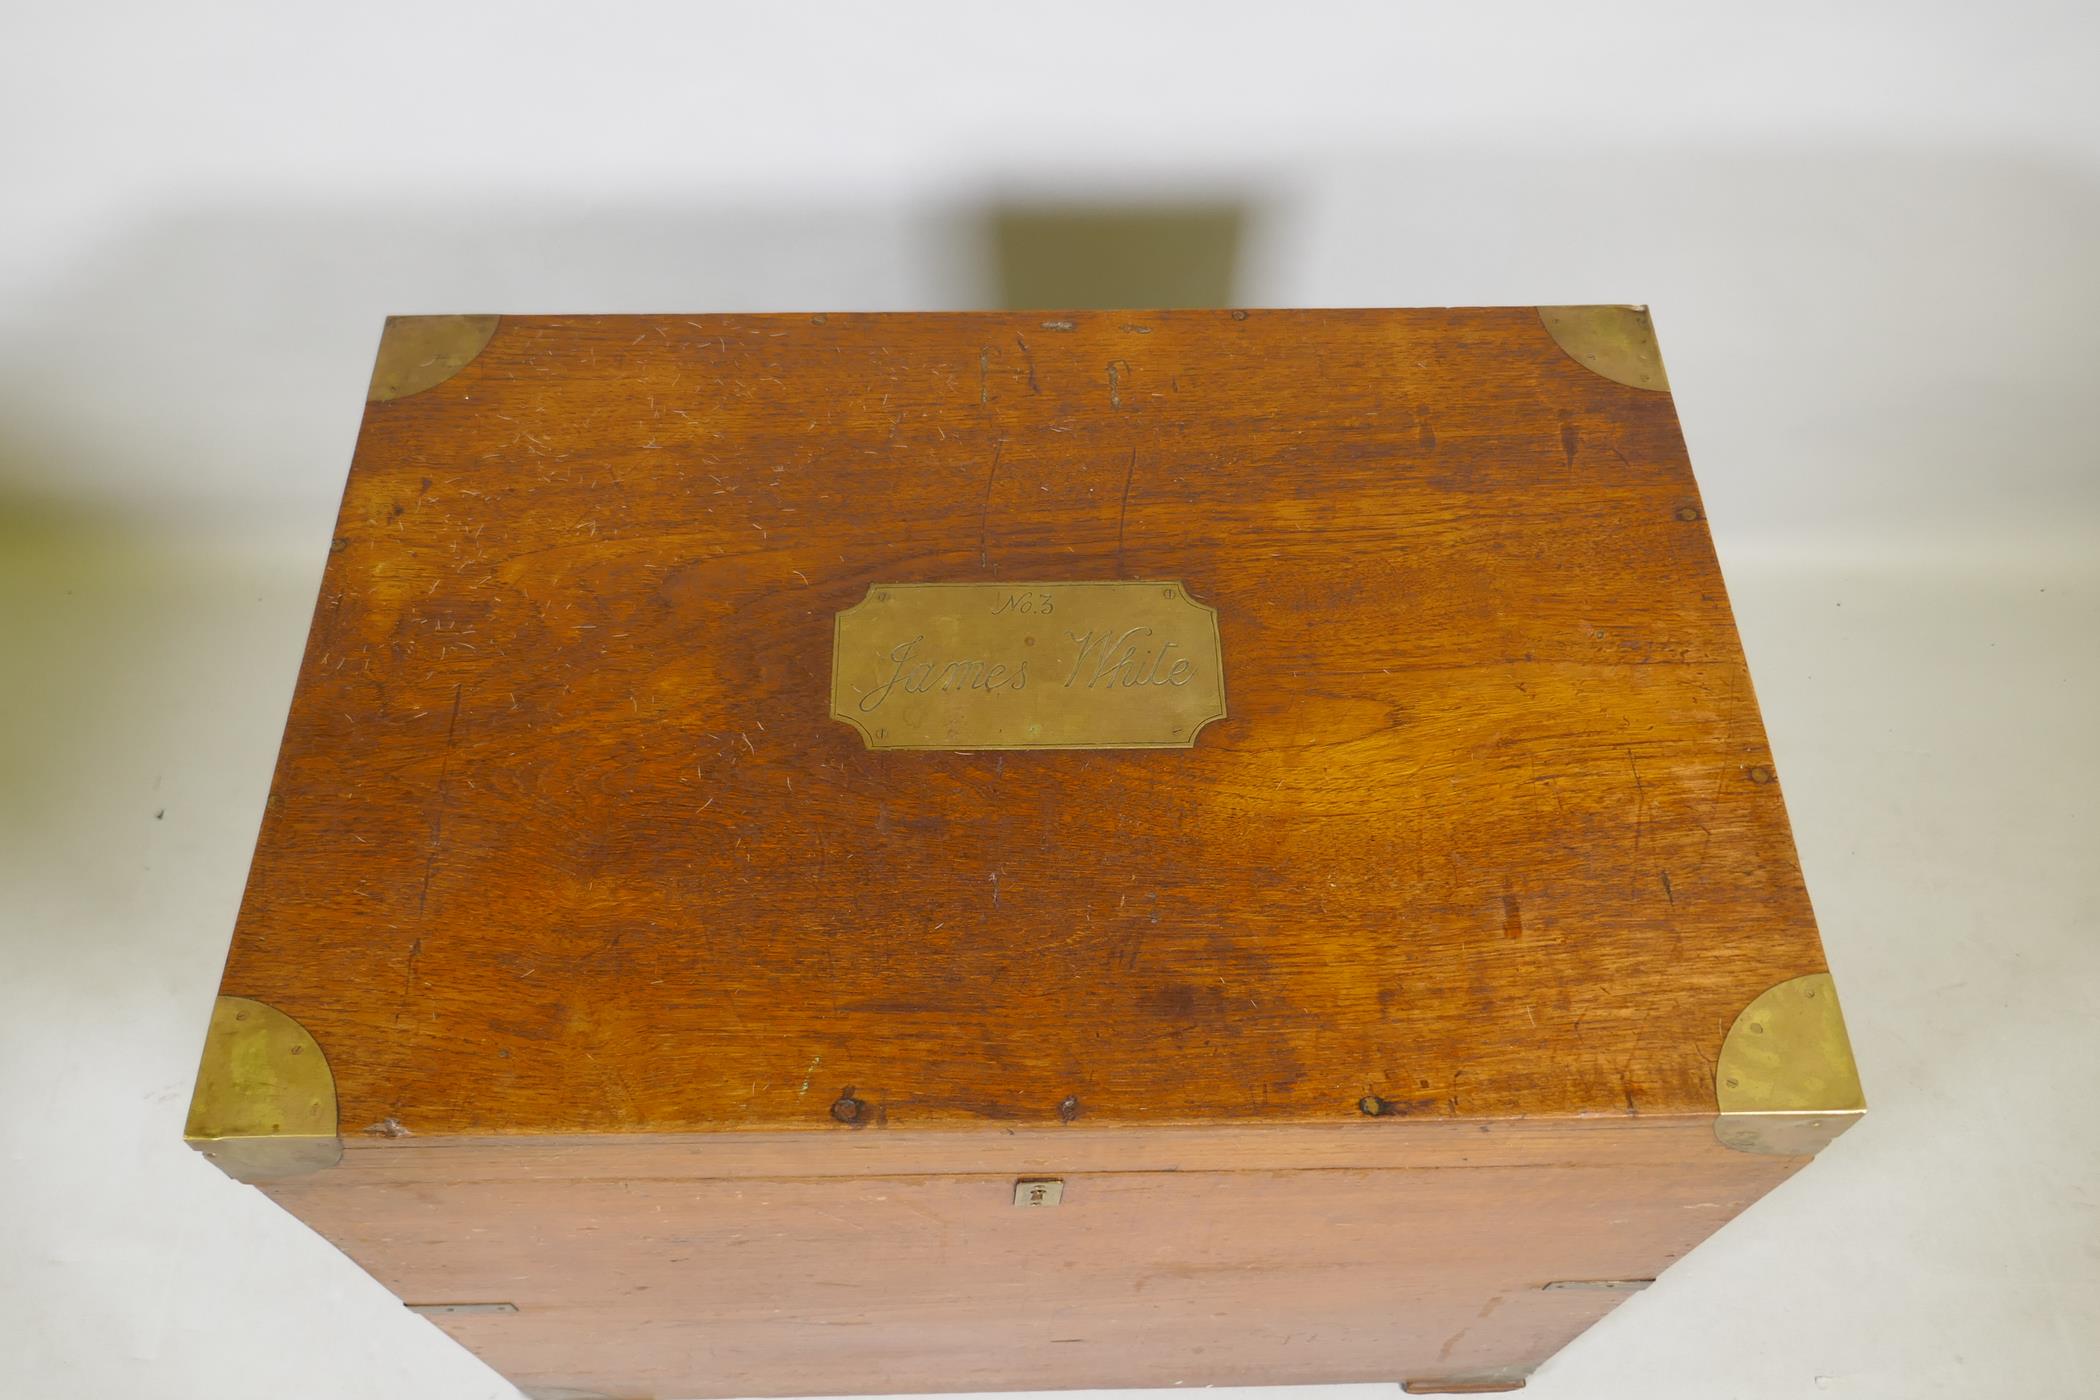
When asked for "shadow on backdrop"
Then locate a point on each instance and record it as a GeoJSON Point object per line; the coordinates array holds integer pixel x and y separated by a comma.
{"type": "Point", "coordinates": [1861, 341]}
{"type": "Point", "coordinates": [1058, 257]}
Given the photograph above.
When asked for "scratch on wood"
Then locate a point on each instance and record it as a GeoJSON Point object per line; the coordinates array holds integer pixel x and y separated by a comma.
{"type": "Point", "coordinates": [1123, 514]}
{"type": "Point", "coordinates": [437, 816]}
{"type": "Point", "coordinates": [1116, 370]}
{"type": "Point", "coordinates": [1029, 357]}
{"type": "Point", "coordinates": [984, 374]}
{"type": "Point", "coordinates": [984, 522]}
{"type": "Point", "coordinates": [1640, 800]}
{"type": "Point", "coordinates": [1456, 1337]}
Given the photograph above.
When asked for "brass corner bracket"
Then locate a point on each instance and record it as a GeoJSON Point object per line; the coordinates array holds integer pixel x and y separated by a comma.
{"type": "Point", "coordinates": [417, 352]}
{"type": "Point", "coordinates": [1617, 342]}
{"type": "Point", "coordinates": [1786, 1083]}
{"type": "Point", "coordinates": [264, 1105]}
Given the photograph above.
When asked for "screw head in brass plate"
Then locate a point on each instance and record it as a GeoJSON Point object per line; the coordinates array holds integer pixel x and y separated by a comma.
{"type": "Point", "coordinates": [1617, 342]}
{"type": "Point", "coordinates": [1786, 1082]}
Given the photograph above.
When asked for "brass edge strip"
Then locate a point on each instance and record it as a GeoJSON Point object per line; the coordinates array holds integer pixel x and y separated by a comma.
{"type": "Point", "coordinates": [264, 1105]}
{"type": "Point", "coordinates": [1617, 342]}
{"type": "Point", "coordinates": [1786, 1083]}
{"type": "Point", "coordinates": [418, 352]}
{"type": "Point", "coordinates": [1497, 1381]}
{"type": "Point", "coordinates": [445, 1309]}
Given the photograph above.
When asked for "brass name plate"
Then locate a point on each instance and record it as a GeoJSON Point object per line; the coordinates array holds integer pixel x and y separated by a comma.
{"type": "Point", "coordinates": [1122, 665]}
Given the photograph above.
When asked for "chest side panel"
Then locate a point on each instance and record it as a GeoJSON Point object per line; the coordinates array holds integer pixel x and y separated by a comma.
{"type": "Point", "coordinates": [673, 1282]}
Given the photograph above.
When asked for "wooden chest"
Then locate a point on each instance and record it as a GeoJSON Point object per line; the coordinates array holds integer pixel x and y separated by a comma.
{"type": "Point", "coordinates": [841, 854]}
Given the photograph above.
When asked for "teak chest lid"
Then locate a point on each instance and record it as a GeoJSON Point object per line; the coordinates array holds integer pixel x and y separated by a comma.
{"type": "Point", "coordinates": [1449, 799]}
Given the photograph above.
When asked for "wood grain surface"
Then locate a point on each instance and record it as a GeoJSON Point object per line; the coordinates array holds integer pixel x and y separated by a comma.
{"type": "Point", "coordinates": [562, 840]}
{"type": "Point", "coordinates": [638, 1270]}
{"type": "Point", "coordinates": [1685, 1143]}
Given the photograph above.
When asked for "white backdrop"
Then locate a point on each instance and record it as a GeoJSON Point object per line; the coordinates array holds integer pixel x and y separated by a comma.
{"type": "Point", "coordinates": [1871, 236]}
